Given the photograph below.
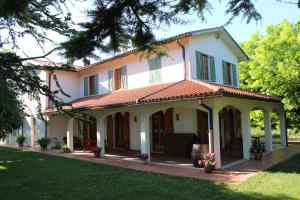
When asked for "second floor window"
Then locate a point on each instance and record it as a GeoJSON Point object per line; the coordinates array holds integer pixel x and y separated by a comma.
{"type": "Point", "coordinates": [229, 74]}
{"type": "Point", "coordinates": [155, 69]}
{"type": "Point", "coordinates": [117, 79]}
{"type": "Point", "coordinates": [205, 67]}
{"type": "Point", "coordinates": [90, 85]}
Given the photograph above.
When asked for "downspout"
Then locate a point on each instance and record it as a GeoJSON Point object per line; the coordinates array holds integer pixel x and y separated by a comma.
{"type": "Point", "coordinates": [183, 57]}
{"type": "Point", "coordinates": [286, 133]}
{"type": "Point", "coordinates": [49, 85]}
{"type": "Point", "coordinates": [211, 127]}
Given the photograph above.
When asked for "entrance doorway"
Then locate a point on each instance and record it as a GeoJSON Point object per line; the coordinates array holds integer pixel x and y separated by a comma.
{"type": "Point", "coordinates": [158, 121]}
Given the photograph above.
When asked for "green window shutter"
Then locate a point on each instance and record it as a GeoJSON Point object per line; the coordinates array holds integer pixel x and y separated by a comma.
{"type": "Point", "coordinates": [110, 80]}
{"type": "Point", "coordinates": [85, 86]}
{"type": "Point", "coordinates": [199, 65]}
{"type": "Point", "coordinates": [225, 75]}
{"type": "Point", "coordinates": [212, 68]}
{"type": "Point", "coordinates": [124, 77]}
{"type": "Point", "coordinates": [155, 69]}
{"type": "Point", "coordinates": [96, 84]}
{"type": "Point", "coordinates": [234, 75]}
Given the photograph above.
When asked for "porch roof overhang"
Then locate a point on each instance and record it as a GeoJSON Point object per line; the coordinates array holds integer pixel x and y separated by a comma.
{"type": "Point", "coordinates": [165, 92]}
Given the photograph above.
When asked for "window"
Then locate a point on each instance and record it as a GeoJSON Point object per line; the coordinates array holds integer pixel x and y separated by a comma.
{"type": "Point", "coordinates": [90, 85]}
{"type": "Point", "coordinates": [205, 65]}
{"type": "Point", "coordinates": [117, 79]}
{"type": "Point", "coordinates": [229, 74]}
{"type": "Point", "coordinates": [155, 69]}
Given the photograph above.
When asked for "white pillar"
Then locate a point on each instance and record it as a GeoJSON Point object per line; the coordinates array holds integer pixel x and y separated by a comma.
{"type": "Point", "coordinates": [217, 145]}
{"type": "Point", "coordinates": [283, 133]}
{"type": "Point", "coordinates": [246, 133]}
{"type": "Point", "coordinates": [268, 130]}
{"type": "Point", "coordinates": [70, 131]}
{"type": "Point", "coordinates": [145, 134]}
{"type": "Point", "coordinates": [100, 135]}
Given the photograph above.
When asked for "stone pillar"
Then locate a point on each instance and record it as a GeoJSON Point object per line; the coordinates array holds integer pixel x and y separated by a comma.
{"type": "Point", "coordinates": [145, 134]}
{"type": "Point", "coordinates": [246, 133]}
{"type": "Point", "coordinates": [70, 132]}
{"type": "Point", "coordinates": [217, 144]}
{"type": "Point", "coordinates": [100, 135]}
{"type": "Point", "coordinates": [283, 132]}
{"type": "Point", "coordinates": [268, 130]}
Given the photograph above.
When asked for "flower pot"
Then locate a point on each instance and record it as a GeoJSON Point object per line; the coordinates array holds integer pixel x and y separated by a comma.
{"type": "Point", "coordinates": [21, 145]}
{"type": "Point", "coordinates": [97, 154]}
{"type": "Point", "coordinates": [44, 148]}
{"type": "Point", "coordinates": [208, 169]}
{"type": "Point", "coordinates": [257, 156]}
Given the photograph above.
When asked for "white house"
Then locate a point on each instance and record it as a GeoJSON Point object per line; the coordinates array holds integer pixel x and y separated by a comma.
{"type": "Point", "coordinates": [162, 104]}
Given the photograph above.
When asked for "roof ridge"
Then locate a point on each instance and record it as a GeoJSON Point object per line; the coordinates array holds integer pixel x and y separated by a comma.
{"type": "Point", "coordinates": [207, 84]}
{"type": "Point", "coordinates": [171, 85]}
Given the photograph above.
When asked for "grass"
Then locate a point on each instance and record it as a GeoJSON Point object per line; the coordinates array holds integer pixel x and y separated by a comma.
{"type": "Point", "coordinates": [30, 175]}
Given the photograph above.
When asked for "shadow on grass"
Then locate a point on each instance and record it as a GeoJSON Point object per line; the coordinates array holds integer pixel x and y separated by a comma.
{"type": "Point", "coordinates": [39, 176]}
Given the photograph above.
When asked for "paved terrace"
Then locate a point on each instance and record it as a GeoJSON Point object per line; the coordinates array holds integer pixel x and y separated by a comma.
{"type": "Point", "coordinates": [235, 174]}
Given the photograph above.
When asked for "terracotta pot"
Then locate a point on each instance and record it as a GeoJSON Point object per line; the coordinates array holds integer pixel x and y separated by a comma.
{"type": "Point", "coordinates": [44, 148]}
{"type": "Point", "coordinates": [208, 169]}
{"type": "Point", "coordinates": [21, 145]}
{"type": "Point", "coordinates": [257, 156]}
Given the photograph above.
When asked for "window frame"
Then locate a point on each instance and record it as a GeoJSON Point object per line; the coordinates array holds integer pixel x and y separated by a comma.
{"type": "Point", "coordinates": [114, 79]}
{"type": "Point", "coordinates": [91, 81]}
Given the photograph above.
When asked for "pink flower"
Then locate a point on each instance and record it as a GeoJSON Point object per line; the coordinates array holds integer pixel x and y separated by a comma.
{"type": "Point", "coordinates": [214, 163]}
{"type": "Point", "coordinates": [206, 164]}
{"type": "Point", "coordinates": [200, 163]}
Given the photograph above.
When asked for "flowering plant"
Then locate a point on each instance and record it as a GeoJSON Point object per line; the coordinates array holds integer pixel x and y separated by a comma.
{"type": "Point", "coordinates": [142, 156]}
{"type": "Point", "coordinates": [208, 160]}
{"type": "Point", "coordinates": [257, 148]}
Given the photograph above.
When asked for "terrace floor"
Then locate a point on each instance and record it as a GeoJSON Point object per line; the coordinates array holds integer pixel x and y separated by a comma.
{"type": "Point", "coordinates": [232, 174]}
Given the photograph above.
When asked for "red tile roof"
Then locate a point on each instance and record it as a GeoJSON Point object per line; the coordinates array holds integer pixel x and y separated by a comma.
{"type": "Point", "coordinates": [181, 90]}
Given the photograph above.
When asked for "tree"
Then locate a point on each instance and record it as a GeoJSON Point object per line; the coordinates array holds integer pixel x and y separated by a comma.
{"type": "Point", "coordinates": [110, 25]}
{"type": "Point", "coordinates": [274, 66]}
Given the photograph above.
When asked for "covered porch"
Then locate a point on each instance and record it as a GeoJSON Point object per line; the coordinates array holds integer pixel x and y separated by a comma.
{"type": "Point", "coordinates": [166, 123]}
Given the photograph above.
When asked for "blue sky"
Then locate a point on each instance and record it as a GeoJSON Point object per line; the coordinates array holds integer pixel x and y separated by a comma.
{"type": "Point", "coordinates": [272, 12]}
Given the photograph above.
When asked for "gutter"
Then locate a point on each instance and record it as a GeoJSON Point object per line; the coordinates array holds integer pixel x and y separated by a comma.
{"type": "Point", "coordinates": [183, 57]}
{"type": "Point", "coordinates": [211, 127]}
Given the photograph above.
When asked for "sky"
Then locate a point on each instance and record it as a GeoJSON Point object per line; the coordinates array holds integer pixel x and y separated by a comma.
{"type": "Point", "coordinates": [272, 12]}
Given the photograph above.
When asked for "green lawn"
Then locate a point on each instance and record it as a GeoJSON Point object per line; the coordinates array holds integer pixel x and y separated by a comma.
{"type": "Point", "coordinates": [29, 175]}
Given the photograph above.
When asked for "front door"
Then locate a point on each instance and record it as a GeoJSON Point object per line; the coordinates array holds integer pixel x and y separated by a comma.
{"type": "Point", "coordinates": [158, 131]}
{"type": "Point", "coordinates": [202, 124]}
{"type": "Point", "coordinates": [109, 132]}
{"type": "Point", "coordinates": [118, 130]}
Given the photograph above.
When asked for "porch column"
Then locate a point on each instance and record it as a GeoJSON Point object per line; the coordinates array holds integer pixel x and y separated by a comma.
{"type": "Point", "coordinates": [100, 135]}
{"type": "Point", "coordinates": [216, 138]}
{"type": "Point", "coordinates": [246, 133]}
{"type": "Point", "coordinates": [268, 130]}
{"type": "Point", "coordinates": [70, 131]}
{"type": "Point", "coordinates": [145, 134]}
{"type": "Point", "coordinates": [283, 133]}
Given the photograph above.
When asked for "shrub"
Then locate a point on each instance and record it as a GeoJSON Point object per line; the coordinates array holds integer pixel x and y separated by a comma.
{"type": "Point", "coordinates": [65, 149]}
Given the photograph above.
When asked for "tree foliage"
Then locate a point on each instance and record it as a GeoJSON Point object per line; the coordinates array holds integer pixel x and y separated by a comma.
{"type": "Point", "coordinates": [274, 66]}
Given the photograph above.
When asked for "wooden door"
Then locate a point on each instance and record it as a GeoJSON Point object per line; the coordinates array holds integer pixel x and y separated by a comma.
{"type": "Point", "coordinates": [118, 130]}
{"type": "Point", "coordinates": [157, 131]}
{"type": "Point", "coordinates": [202, 124]}
{"type": "Point", "coordinates": [169, 129]}
{"type": "Point", "coordinates": [126, 132]}
{"type": "Point", "coordinates": [93, 129]}
{"type": "Point", "coordinates": [109, 132]}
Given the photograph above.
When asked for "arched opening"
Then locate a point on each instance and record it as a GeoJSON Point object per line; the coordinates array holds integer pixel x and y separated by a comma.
{"type": "Point", "coordinates": [158, 131]}
{"type": "Point", "coordinates": [174, 131]}
{"type": "Point", "coordinates": [118, 131]}
{"type": "Point", "coordinates": [89, 134]}
{"type": "Point", "coordinates": [231, 140]}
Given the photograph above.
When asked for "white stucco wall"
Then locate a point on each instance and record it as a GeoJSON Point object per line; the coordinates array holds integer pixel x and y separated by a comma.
{"type": "Point", "coordinates": [69, 82]}
{"type": "Point", "coordinates": [172, 69]}
{"type": "Point", "coordinates": [210, 45]}
{"type": "Point", "coordinates": [187, 122]}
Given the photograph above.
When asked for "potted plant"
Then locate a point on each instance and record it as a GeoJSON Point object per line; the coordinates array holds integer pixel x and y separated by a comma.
{"type": "Point", "coordinates": [208, 162]}
{"type": "Point", "coordinates": [97, 151]}
{"type": "Point", "coordinates": [257, 149]}
{"type": "Point", "coordinates": [21, 140]}
{"type": "Point", "coordinates": [65, 149]}
{"type": "Point", "coordinates": [44, 142]}
{"type": "Point", "coordinates": [143, 157]}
